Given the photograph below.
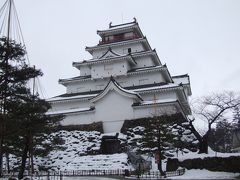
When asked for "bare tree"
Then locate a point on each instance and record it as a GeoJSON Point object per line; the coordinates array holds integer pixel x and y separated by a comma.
{"type": "Point", "coordinates": [212, 109]}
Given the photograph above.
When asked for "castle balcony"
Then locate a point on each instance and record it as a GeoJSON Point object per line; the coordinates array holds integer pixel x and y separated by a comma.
{"type": "Point", "coordinates": [118, 38]}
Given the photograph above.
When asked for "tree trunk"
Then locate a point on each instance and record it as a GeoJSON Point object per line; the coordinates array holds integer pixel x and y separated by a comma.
{"type": "Point", "coordinates": [7, 161]}
{"type": "Point", "coordinates": [24, 159]}
{"type": "Point", "coordinates": [203, 145]}
{"type": "Point", "coordinates": [160, 168]}
{"type": "Point", "coordinates": [1, 157]}
{"type": "Point", "coordinates": [160, 163]}
{"type": "Point", "coordinates": [31, 153]}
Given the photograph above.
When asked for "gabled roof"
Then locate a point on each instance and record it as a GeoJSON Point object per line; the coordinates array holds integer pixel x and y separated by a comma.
{"type": "Point", "coordinates": [109, 53]}
{"type": "Point", "coordinates": [113, 85]}
{"type": "Point", "coordinates": [72, 111]}
{"type": "Point", "coordinates": [77, 78]}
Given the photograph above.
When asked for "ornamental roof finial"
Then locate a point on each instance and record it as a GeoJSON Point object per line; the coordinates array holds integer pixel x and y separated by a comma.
{"type": "Point", "coordinates": [134, 19]}
{"type": "Point", "coordinates": [110, 24]}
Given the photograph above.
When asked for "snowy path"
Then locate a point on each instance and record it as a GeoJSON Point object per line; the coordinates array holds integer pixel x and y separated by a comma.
{"type": "Point", "coordinates": [205, 174]}
{"type": "Point", "coordinates": [87, 178]}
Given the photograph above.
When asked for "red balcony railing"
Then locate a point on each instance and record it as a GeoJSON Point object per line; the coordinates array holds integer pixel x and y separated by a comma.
{"type": "Point", "coordinates": [118, 38]}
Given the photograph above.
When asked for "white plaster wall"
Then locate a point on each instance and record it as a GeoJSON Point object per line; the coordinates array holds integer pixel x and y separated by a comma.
{"type": "Point", "coordinates": [85, 70]}
{"type": "Point", "coordinates": [89, 85]}
{"type": "Point", "coordinates": [82, 118]}
{"type": "Point", "coordinates": [69, 105]}
{"type": "Point", "coordinates": [113, 109]}
{"type": "Point", "coordinates": [150, 111]}
{"type": "Point", "coordinates": [143, 78]}
{"type": "Point", "coordinates": [144, 61]}
{"type": "Point", "coordinates": [159, 95]}
{"type": "Point", "coordinates": [116, 68]}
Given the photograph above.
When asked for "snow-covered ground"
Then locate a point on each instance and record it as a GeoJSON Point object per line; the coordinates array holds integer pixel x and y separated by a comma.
{"type": "Point", "coordinates": [78, 153]}
{"type": "Point", "coordinates": [205, 174]}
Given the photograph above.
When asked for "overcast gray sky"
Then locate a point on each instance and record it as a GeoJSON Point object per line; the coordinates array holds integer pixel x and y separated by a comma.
{"type": "Point", "coordinates": [198, 37]}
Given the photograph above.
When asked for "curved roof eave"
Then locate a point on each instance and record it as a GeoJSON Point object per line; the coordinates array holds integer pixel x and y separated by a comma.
{"type": "Point", "coordinates": [112, 84]}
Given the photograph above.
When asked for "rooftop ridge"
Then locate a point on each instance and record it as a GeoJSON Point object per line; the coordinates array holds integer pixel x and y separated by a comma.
{"type": "Point", "coordinates": [133, 22]}
{"type": "Point", "coordinates": [180, 76]}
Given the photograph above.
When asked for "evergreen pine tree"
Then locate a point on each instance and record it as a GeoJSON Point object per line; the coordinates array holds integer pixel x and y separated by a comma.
{"type": "Point", "coordinates": [158, 138]}
{"type": "Point", "coordinates": [23, 117]}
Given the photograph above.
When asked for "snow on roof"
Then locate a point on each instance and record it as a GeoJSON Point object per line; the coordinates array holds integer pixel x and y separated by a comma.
{"type": "Point", "coordinates": [61, 98]}
{"type": "Point", "coordinates": [158, 101]}
{"type": "Point", "coordinates": [75, 78]}
{"type": "Point", "coordinates": [170, 85]}
{"type": "Point", "coordinates": [68, 111]}
{"type": "Point", "coordinates": [100, 60]}
{"type": "Point", "coordinates": [147, 68]}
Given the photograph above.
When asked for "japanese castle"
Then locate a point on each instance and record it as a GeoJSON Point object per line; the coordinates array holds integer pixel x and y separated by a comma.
{"type": "Point", "coordinates": [124, 80]}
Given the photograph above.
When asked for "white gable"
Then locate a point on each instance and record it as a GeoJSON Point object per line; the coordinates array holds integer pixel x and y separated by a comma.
{"type": "Point", "coordinates": [108, 54]}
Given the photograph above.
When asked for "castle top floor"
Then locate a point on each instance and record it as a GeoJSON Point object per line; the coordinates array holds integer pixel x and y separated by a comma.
{"type": "Point", "coordinates": [120, 32]}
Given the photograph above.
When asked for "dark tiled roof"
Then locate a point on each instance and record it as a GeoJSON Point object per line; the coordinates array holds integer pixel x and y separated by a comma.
{"type": "Point", "coordinates": [145, 68]}
{"type": "Point", "coordinates": [99, 91]}
{"type": "Point", "coordinates": [145, 86]}
{"type": "Point", "coordinates": [180, 76]}
{"type": "Point", "coordinates": [81, 93]}
{"type": "Point", "coordinates": [75, 78]}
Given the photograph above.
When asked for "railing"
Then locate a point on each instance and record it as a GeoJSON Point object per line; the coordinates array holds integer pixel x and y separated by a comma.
{"type": "Point", "coordinates": [156, 174]}
{"type": "Point", "coordinates": [59, 175]}
{"type": "Point", "coordinates": [118, 39]}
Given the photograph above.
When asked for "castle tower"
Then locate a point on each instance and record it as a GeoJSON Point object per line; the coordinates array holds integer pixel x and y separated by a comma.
{"type": "Point", "coordinates": [124, 80]}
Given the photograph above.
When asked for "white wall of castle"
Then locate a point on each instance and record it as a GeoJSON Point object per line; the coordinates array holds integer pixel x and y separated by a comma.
{"type": "Point", "coordinates": [150, 111]}
{"type": "Point", "coordinates": [59, 106]}
{"type": "Point", "coordinates": [79, 118]}
{"type": "Point", "coordinates": [73, 104]}
{"type": "Point", "coordinates": [116, 68]}
{"type": "Point", "coordinates": [144, 61]}
{"type": "Point", "coordinates": [112, 110]}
